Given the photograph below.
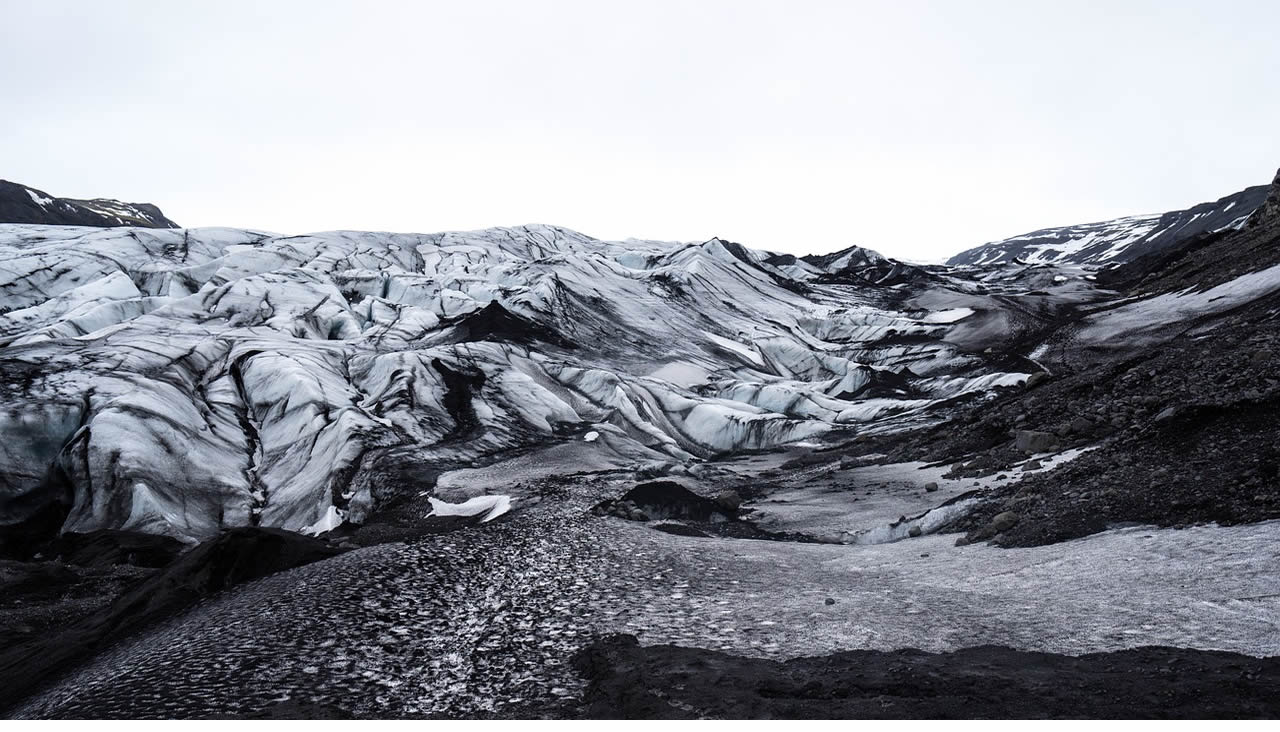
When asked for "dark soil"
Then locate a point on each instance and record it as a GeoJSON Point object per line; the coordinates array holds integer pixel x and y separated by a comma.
{"type": "Point", "coordinates": [628, 681]}
{"type": "Point", "coordinates": [1205, 464]}
{"type": "Point", "coordinates": [236, 556]}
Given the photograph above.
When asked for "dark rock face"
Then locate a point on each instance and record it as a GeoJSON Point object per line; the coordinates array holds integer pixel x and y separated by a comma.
{"type": "Point", "coordinates": [107, 547]}
{"type": "Point", "coordinates": [856, 265]}
{"type": "Point", "coordinates": [22, 205]}
{"type": "Point", "coordinates": [1269, 212]}
{"type": "Point", "coordinates": [628, 681]}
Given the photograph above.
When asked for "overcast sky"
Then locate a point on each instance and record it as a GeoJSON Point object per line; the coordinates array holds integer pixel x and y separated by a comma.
{"type": "Point", "coordinates": [914, 128]}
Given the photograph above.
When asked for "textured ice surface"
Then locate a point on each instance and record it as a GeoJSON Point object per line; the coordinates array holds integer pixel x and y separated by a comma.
{"type": "Point", "coordinates": [181, 381]}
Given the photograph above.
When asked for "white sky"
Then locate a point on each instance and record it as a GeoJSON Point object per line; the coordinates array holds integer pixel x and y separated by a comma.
{"type": "Point", "coordinates": [914, 128]}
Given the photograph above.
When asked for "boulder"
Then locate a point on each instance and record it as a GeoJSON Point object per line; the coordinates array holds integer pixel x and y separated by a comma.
{"type": "Point", "coordinates": [1031, 441]}
{"type": "Point", "coordinates": [1004, 521]}
{"type": "Point", "coordinates": [1038, 377]}
{"type": "Point", "coordinates": [728, 499]}
{"type": "Point", "coordinates": [1082, 426]}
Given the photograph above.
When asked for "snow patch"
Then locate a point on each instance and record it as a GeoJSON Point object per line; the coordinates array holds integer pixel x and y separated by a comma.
{"type": "Point", "coordinates": [488, 507]}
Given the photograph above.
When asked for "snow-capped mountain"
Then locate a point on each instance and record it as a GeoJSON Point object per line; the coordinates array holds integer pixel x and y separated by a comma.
{"type": "Point", "coordinates": [21, 204]}
{"type": "Point", "coordinates": [1118, 240]}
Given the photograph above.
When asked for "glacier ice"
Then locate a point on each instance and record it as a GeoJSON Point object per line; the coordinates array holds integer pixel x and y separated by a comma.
{"type": "Point", "coordinates": [181, 381]}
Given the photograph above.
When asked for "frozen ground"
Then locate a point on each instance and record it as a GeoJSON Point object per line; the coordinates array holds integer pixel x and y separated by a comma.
{"type": "Point", "coordinates": [1204, 587]}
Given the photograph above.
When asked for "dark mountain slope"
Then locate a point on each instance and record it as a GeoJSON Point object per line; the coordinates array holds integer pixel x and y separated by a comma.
{"type": "Point", "coordinates": [20, 204]}
{"type": "Point", "coordinates": [1119, 240]}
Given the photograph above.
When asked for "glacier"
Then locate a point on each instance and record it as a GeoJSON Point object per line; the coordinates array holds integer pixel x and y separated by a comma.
{"type": "Point", "coordinates": [182, 381]}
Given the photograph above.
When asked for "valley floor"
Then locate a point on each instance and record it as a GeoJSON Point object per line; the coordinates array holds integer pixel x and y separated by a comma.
{"type": "Point", "coordinates": [486, 621]}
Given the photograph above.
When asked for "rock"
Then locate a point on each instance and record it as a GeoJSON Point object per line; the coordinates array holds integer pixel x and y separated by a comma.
{"type": "Point", "coordinates": [1082, 426]}
{"type": "Point", "coordinates": [728, 499]}
{"type": "Point", "coordinates": [915, 531]}
{"type": "Point", "coordinates": [962, 541]}
{"type": "Point", "coordinates": [930, 487]}
{"type": "Point", "coordinates": [1004, 521]}
{"type": "Point", "coordinates": [1031, 441]}
{"type": "Point", "coordinates": [1166, 414]}
{"type": "Point", "coordinates": [106, 547]}
{"type": "Point", "coordinates": [665, 499]}
{"type": "Point", "coordinates": [1035, 379]}
{"type": "Point", "coordinates": [830, 601]}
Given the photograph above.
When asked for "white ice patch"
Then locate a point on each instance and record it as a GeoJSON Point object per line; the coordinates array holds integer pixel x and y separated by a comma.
{"type": "Point", "coordinates": [681, 373]}
{"type": "Point", "coordinates": [1153, 315]}
{"type": "Point", "coordinates": [947, 316]}
{"type": "Point", "coordinates": [488, 507]}
{"type": "Point", "coordinates": [332, 519]}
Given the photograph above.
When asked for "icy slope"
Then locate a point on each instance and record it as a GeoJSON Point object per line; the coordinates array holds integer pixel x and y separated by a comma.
{"type": "Point", "coordinates": [1118, 240]}
{"type": "Point", "coordinates": [180, 381]}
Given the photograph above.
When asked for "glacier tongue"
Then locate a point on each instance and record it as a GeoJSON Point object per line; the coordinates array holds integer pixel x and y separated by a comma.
{"type": "Point", "coordinates": [182, 381]}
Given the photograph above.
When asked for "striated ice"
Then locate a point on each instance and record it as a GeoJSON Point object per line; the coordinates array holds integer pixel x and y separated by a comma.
{"type": "Point", "coordinates": [184, 381]}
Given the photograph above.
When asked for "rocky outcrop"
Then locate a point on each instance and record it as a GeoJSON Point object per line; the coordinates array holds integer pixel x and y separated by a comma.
{"type": "Point", "coordinates": [1268, 214]}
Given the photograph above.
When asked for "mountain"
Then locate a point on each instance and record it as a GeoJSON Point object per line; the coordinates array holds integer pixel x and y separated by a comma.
{"type": "Point", "coordinates": [20, 204]}
{"type": "Point", "coordinates": [545, 474]}
{"type": "Point", "coordinates": [1118, 240]}
{"type": "Point", "coordinates": [194, 380]}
